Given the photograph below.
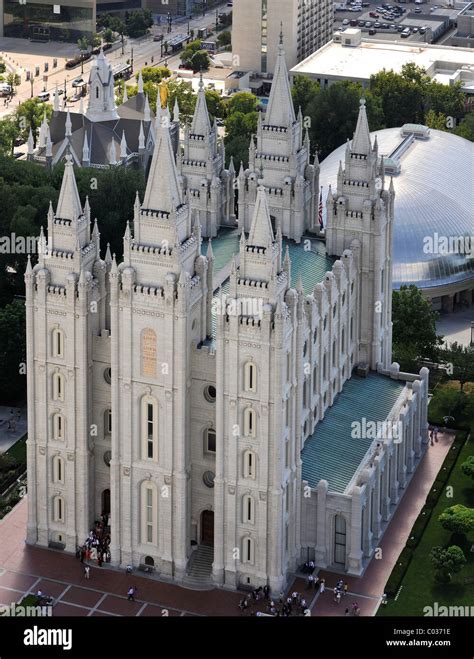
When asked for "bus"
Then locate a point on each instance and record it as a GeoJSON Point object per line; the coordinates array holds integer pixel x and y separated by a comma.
{"type": "Point", "coordinates": [122, 71]}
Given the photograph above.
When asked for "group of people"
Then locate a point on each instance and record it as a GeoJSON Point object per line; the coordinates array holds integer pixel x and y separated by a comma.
{"type": "Point", "coordinates": [292, 605]}
{"type": "Point", "coordinates": [96, 546]}
{"type": "Point", "coordinates": [340, 589]}
{"type": "Point", "coordinates": [434, 435]}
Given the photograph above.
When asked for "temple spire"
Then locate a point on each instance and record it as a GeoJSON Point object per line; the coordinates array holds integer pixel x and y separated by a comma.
{"type": "Point", "coordinates": [361, 141]}
{"type": "Point", "coordinates": [261, 232]}
{"type": "Point", "coordinates": [163, 190]}
{"type": "Point", "coordinates": [69, 204]}
{"type": "Point", "coordinates": [201, 124]}
{"type": "Point", "coordinates": [280, 111]}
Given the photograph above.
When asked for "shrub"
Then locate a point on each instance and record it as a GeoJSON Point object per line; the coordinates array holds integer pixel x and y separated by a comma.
{"type": "Point", "coordinates": [458, 519]}
{"type": "Point", "coordinates": [398, 572]}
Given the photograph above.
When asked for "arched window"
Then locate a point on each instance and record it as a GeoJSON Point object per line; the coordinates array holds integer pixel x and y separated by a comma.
{"type": "Point", "coordinates": [57, 342]}
{"type": "Point", "coordinates": [248, 509]}
{"type": "Point", "coordinates": [97, 91]}
{"type": "Point", "coordinates": [250, 377]}
{"type": "Point", "coordinates": [250, 422]}
{"type": "Point", "coordinates": [58, 386]}
{"type": "Point", "coordinates": [315, 379]}
{"type": "Point", "coordinates": [149, 513]}
{"type": "Point", "coordinates": [343, 340]}
{"type": "Point", "coordinates": [248, 550]}
{"type": "Point", "coordinates": [210, 440]}
{"type": "Point", "coordinates": [107, 422]}
{"type": "Point", "coordinates": [325, 366]}
{"type": "Point", "coordinates": [352, 328]}
{"type": "Point", "coordinates": [334, 353]}
{"type": "Point", "coordinates": [58, 469]}
{"type": "Point", "coordinates": [59, 509]}
{"type": "Point", "coordinates": [340, 539]}
{"type": "Point", "coordinates": [250, 464]}
{"type": "Point", "coordinates": [58, 427]}
{"type": "Point", "coordinates": [149, 428]}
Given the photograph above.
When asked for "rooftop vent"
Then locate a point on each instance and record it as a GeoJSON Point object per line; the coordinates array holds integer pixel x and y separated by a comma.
{"type": "Point", "coordinates": [362, 370]}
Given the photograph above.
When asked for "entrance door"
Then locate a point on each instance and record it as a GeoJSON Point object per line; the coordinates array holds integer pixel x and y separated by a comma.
{"type": "Point", "coordinates": [207, 527]}
{"type": "Point", "coordinates": [106, 502]}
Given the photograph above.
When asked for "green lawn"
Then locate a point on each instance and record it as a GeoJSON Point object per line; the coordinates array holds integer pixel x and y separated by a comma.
{"type": "Point", "coordinates": [18, 450]}
{"type": "Point", "coordinates": [418, 586]}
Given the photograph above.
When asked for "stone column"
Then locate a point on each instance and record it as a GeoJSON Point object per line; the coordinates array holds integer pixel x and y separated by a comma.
{"type": "Point", "coordinates": [355, 562]}
{"type": "Point", "coordinates": [322, 545]}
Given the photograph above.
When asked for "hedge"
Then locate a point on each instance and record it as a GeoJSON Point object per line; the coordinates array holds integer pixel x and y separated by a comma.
{"type": "Point", "coordinates": [398, 572]}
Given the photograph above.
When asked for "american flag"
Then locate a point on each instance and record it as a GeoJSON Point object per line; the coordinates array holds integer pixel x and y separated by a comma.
{"type": "Point", "coordinates": [321, 223]}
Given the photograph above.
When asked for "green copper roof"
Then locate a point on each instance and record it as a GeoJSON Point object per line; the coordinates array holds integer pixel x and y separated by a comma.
{"type": "Point", "coordinates": [224, 246]}
{"type": "Point", "coordinates": [312, 264]}
{"type": "Point", "coordinates": [330, 452]}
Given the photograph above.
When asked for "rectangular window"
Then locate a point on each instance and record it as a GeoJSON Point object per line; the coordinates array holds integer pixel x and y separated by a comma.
{"type": "Point", "coordinates": [149, 515]}
{"type": "Point", "coordinates": [211, 440]}
{"type": "Point", "coordinates": [150, 424]}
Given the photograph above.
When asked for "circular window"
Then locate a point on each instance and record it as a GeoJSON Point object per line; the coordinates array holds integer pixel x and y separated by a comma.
{"type": "Point", "coordinates": [210, 393]}
{"type": "Point", "coordinates": [108, 375]}
{"type": "Point", "coordinates": [107, 458]}
{"type": "Point", "coordinates": [208, 478]}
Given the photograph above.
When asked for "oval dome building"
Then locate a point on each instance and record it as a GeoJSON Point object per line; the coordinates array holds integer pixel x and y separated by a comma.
{"type": "Point", "coordinates": [433, 175]}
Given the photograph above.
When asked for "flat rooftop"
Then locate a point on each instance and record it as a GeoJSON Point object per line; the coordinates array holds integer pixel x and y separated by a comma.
{"type": "Point", "coordinates": [360, 62]}
{"type": "Point", "coordinates": [330, 452]}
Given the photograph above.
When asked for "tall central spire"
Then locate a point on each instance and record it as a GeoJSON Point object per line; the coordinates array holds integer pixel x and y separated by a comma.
{"type": "Point", "coordinates": [201, 124]}
{"type": "Point", "coordinates": [280, 111]}
{"type": "Point", "coordinates": [261, 232]}
{"type": "Point", "coordinates": [361, 140]}
{"type": "Point", "coordinates": [163, 190]}
{"type": "Point", "coordinates": [69, 204]}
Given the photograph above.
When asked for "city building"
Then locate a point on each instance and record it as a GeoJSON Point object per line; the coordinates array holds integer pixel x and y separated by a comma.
{"type": "Point", "coordinates": [464, 35]}
{"type": "Point", "coordinates": [205, 396]}
{"type": "Point", "coordinates": [43, 20]}
{"type": "Point", "coordinates": [433, 229]}
{"type": "Point", "coordinates": [354, 58]}
{"type": "Point", "coordinates": [307, 25]}
{"type": "Point", "coordinates": [172, 7]}
{"type": "Point", "coordinates": [104, 133]}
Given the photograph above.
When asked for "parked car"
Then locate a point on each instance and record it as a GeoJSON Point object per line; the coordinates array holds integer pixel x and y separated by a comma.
{"type": "Point", "coordinates": [368, 24]}
{"type": "Point", "coordinates": [78, 82]}
{"type": "Point", "coordinates": [345, 21]}
{"type": "Point", "coordinates": [414, 30]}
{"type": "Point", "coordinates": [353, 22]}
{"type": "Point", "coordinates": [373, 14]}
{"type": "Point", "coordinates": [393, 26]}
{"type": "Point", "coordinates": [43, 97]}
{"type": "Point", "coordinates": [361, 23]}
{"type": "Point", "coordinates": [376, 24]}
{"type": "Point", "coordinates": [372, 31]}
{"type": "Point", "coordinates": [422, 30]}
{"type": "Point", "coordinates": [418, 10]}
{"type": "Point", "coordinates": [400, 28]}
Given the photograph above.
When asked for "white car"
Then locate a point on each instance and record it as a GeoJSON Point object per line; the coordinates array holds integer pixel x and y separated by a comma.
{"type": "Point", "coordinates": [5, 88]}
{"type": "Point", "coordinates": [78, 82]}
{"type": "Point", "coordinates": [345, 21]}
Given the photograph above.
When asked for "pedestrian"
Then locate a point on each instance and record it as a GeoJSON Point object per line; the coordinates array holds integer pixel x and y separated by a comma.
{"type": "Point", "coordinates": [131, 593]}
{"type": "Point", "coordinates": [87, 571]}
{"type": "Point", "coordinates": [346, 587]}
{"type": "Point", "coordinates": [322, 586]}
{"type": "Point", "coordinates": [266, 591]}
{"type": "Point", "coordinates": [338, 597]}
{"type": "Point", "coordinates": [435, 433]}
{"type": "Point", "coordinates": [346, 612]}
{"type": "Point", "coordinates": [294, 597]}
{"type": "Point", "coordinates": [431, 437]}
{"type": "Point", "coordinates": [310, 581]}
{"type": "Point", "coordinates": [282, 595]}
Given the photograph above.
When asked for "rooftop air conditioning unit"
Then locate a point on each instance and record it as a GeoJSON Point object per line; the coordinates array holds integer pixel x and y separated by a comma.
{"type": "Point", "coordinates": [362, 370]}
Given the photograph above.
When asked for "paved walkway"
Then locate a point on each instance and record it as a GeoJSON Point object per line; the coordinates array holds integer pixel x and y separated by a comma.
{"type": "Point", "coordinates": [456, 326]}
{"type": "Point", "coordinates": [368, 589]}
{"type": "Point", "coordinates": [9, 437]}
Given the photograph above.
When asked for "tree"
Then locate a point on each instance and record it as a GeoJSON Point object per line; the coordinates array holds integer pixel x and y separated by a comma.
{"type": "Point", "coordinates": [8, 133]}
{"type": "Point", "coordinates": [243, 102]}
{"type": "Point", "coordinates": [414, 323]}
{"type": "Point", "coordinates": [304, 91]}
{"type": "Point", "coordinates": [181, 91]}
{"type": "Point", "coordinates": [447, 561]}
{"type": "Point", "coordinates": [198, 60]}
{"type": "Point", "coordinates": [154, 74]}
{"type": "Point", "coordinates": [224, 39]}
{"type": "Point", "coordinates": [462, 360]}
{"type": "Point", "coordinates": [333, 115]}
{"type": "Point", "coordinates": [138, 22]}
{"type": "Point", "coordinates": [215, 105]}
{"type": "Point", "coordinates": [29, 114]}
{"type": "Point", "coordinates": [458, 519]}
{"type": "Point", "coordinates": [108, 36]}
{"type": "Point", "coordinates": [83, 44]}
{"type": "Point", "coordinates": [447, 402]}
{"type": "Point", "coordinates": [467, 467]}
{"type": "Point", "coordinates": [401, 97]}
{"type": "Point", "coordinates": [466, 127]}
{"type": "Point", "coordinates": [436, 120]}
{"type": "Point", "coordinates": [12, 351]}
{"type": "Point", "coordinates": [239, 129]}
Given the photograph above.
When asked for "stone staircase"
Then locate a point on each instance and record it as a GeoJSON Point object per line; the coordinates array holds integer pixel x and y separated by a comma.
{"type": "Point", "coordinates": [199, 569]}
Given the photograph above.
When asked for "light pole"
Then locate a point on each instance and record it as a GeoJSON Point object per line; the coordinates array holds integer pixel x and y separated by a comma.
{"type": "Point", "coordinates": [472, 333]}
{"type": "Point", "coordinates": [217, 19]}
{"type": "Point", "coordinates": [31, 82]}
{"type": "Point", "coordinates": [122, 42]}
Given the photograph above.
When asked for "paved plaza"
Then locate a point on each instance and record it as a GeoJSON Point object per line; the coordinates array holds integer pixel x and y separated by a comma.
{"type": "Point", "coordinates": [13, 425]}
{"type": "Point", "coordinates": [25, 569]}
{"type": "Point", "coordinates": [456, 326]}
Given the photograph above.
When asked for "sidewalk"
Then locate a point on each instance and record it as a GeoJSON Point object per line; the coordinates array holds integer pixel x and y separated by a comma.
{"type": "Point", "coordinates": [368, 589]}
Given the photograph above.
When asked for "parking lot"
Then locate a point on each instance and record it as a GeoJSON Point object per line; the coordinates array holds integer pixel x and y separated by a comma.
{"type": "Point", "coordinates": [382, 20]}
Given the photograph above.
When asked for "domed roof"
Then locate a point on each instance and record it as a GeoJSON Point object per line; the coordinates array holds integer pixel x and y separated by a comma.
{"type": "Point", "coordinates": [433, 175]}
